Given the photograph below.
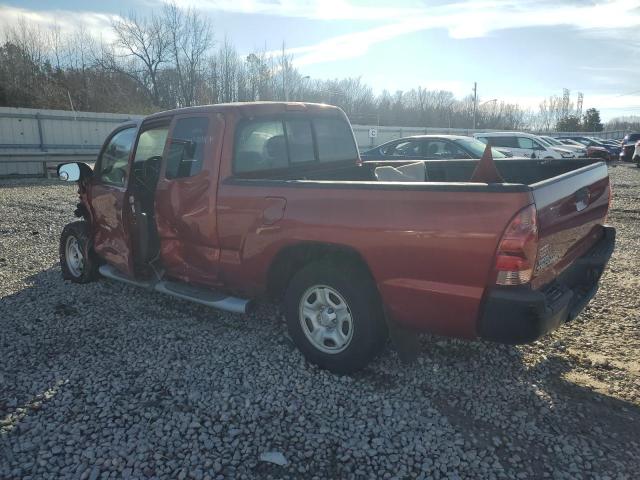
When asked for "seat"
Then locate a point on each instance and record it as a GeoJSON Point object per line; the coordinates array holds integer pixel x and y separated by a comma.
{"type": "Point", "coordinates": [276, 151]}
{"type": "Point", "coordinates": [432, 151]}
{"type": "Point", "coordinates": [412, 172]}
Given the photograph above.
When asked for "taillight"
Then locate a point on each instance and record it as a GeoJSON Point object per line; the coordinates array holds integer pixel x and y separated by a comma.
{"type": "Point", "coordinates": [518, 249]}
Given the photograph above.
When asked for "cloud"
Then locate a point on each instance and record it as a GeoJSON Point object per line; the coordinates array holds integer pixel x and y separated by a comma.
{"type": "Point", "coordinates": [313, 9]}
{"type": "Point", "coordinates": [473, 19]}
{"type": "Point", "coordinates": [97, 24]}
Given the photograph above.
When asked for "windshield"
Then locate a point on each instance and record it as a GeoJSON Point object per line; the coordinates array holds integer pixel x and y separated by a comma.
{"type": "Point", "coordinates": [476, 147]}
{"type": "Point", "coordinates": [544, 141]}
{"type": "Point", "coordinates": [552, 141]}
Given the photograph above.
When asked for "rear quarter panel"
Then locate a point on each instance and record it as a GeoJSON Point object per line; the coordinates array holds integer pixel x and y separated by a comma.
{"type": "Point", "coordinates": [430, 251]}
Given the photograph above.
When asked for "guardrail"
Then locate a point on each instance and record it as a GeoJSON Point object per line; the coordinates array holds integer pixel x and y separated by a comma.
{"type": "Point", "coordinates": [31, 140]}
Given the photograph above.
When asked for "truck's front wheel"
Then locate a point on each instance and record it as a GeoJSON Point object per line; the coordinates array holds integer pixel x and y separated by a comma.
{"type": "Point", "coordinates": [77, 259]}
{"type": "Point", "coordinates": [334, 316]}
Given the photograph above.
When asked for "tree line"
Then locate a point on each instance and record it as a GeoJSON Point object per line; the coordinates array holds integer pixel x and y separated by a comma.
{"type": "Point", "coordinates": [170, 59]}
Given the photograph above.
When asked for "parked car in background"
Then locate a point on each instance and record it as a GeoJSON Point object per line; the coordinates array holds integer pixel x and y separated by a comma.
{"type": "Point", "coordinates": [592, 152]}
{"type": "Point", "coordinates": [521, 144]}
{"type": "Point", "coordinates": [636, 154]}
{"type": "Point", "coordinates": [628, 146]}
{"type": "Point", "coordinates": [611, 145]}
{"type": "Point", "coordinates": [431, 147]}
{"type": "Point", "coordinates": [559, 147]}
{"type": "Point", "coordinates": [611, 152]}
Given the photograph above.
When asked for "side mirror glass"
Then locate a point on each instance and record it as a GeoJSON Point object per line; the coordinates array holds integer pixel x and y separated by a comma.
{"type": "Point", "coordinates": [69, 172]}
{"type": "Point", "coordinates": [72, 172]}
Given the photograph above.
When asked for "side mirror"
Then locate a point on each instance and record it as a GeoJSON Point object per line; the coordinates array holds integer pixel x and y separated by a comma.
{"type": "Point", "coordinates": [72, 172]}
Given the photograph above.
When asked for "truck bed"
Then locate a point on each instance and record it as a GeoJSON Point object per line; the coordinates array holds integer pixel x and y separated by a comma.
{"type": "Point", "coordinates": [517, 171]}
{"type": "Point", "coordinates": [429, 245]}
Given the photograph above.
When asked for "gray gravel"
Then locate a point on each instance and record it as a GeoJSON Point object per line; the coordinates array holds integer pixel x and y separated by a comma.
{"type": "Point", "coordinates": [107, 381]}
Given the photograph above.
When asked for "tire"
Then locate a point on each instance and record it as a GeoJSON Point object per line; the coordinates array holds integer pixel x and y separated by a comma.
{"type": "Point", "coordinates": [357, 314]}
{"type": "Point", "coordinates": [78, 261]}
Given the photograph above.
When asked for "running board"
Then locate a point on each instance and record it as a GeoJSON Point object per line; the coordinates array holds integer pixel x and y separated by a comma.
{"type": "Point", "coordinates": [115, 274]}
{"type": "Point", "coordinates": [184, 291]}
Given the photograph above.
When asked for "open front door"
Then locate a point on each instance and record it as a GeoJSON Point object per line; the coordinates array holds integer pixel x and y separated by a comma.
{"type": "Point", "coordinates": [111, 219]}
{"type": "Point", "coordinates": [186, 199]}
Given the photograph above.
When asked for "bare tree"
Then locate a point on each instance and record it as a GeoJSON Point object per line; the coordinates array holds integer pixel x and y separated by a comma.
{"type": "Point", "coordinates": [190, 38]}
{"type": "Point", "coordinates": [143, 44]}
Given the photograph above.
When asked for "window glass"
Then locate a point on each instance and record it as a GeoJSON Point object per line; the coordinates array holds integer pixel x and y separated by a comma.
{"type": "Point", "coordinates": [114, 159]}
{"type": "Point", "coordinates": [186, 147]}
{"type": "Point", "coordinates": [405, 148]}
{"type": "Point", "coordinates": [435, 149]}
{"type": "Point", "coordinates": [300, 141]}
{"type": "Point", "coordinates": [335, 140]}
{"type": "Point", "coordinates": [151, 144]}
{"type": "Point", "coordinates": [476, 148]}
{"type": "Point", "coordinates": [260, 146]}
{"type": "Point", "coordinates": [507, 142]}
{"type": "Point", "coordinates": [524, 142]}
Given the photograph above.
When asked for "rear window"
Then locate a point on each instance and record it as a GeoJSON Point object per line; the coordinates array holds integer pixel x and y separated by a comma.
{"type": "Point", "coordinates": [335, 140]}
{"type": "Point", "coordinates": [278, 143]}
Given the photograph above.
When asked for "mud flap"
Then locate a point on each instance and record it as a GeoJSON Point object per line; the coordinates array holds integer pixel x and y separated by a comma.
{"type": "Point", "coordinates": [404, 340]}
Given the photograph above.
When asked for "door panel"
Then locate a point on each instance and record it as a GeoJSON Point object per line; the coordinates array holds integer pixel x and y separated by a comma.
{"type": "Point", "coordinates": [110, 212]}
{"type": "Point", "coordinates": [186, 199]}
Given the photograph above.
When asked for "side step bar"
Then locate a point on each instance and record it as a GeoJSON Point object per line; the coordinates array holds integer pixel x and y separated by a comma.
{"type": "Point", "coordinates": [184, 291]}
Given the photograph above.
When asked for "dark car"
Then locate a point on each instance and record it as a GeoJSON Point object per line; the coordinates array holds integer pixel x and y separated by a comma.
{"type": "Point", "coordinates": [431, 147]}
{"type": "Point", "coordinates": [628, 146]}
{"type": "Point", "coordinates": [611, 152]}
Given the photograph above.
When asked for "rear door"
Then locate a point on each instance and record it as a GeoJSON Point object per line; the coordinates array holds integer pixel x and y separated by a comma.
{"type": "Point", "coordinates": [571, 211]}
{"type": "Point", "coordinates": [111, 219]}
{"type": "Point", "coordinates": [185, 202]}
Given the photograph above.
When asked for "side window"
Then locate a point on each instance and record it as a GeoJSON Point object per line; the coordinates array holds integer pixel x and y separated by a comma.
{"type": "Point", "coordinates": [443, 149]}
{"type": "Point", "coordinates": [538, 145]}
{"type": "Point", "coordinates": [151, 144]}
{"type": "Point", "coordinates": [300, 140]}
{"type": "Point", "coordinates": [335, 140]}
{"type": "Point", "coordinates": [404, 149]}
{"type": "Point", "coordinates": [260, 145]}
{"type": "Point", "coordinates": [186, 147]}
{"type": "Point", "coordinates": [524, 142]}
{"type": "Point", "coordinates": [451, 150]}
{"type": "Point", "coordinates": [114, 159]}
{"type": "Point", "coordinates": [507, 142]}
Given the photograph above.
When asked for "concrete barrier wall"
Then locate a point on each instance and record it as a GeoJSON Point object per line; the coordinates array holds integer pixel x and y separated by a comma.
{"type": "Point", "coordinates": [31, 139]}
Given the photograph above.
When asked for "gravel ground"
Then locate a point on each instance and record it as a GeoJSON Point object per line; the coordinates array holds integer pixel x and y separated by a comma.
{"type": "Point", "coordinates": [107, 381]}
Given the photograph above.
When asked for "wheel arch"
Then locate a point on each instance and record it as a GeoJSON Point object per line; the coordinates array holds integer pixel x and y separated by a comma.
{"type": "Point", "coordinates": [292, 258]}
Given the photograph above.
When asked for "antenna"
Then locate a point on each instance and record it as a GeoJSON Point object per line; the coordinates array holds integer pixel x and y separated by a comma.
{"type": "Point", "coordinates": [580, 101]}
{"type": "Point", "coordinates": [566, 93]}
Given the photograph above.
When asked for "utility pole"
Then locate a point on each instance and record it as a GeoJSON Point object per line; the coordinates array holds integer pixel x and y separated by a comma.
{"type": "Point", "coordinates": [475, 102]}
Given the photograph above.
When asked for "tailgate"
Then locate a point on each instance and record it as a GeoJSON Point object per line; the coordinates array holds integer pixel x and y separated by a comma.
{"type": "Point", "coordinates": [571, 211]}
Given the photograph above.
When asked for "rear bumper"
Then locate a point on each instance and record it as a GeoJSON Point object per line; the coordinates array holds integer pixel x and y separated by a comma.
{"type": "Point", "coordinates": [522, 315]}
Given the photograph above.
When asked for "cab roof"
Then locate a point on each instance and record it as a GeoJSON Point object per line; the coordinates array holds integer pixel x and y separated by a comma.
{"type": "Point", "coordinates": [251, 108]}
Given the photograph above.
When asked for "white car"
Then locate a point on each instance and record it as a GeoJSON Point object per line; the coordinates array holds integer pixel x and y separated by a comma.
{"type": "Point", "coordinates": [579, 150]}
{"type": "Point", "coordinates": [522, 145]}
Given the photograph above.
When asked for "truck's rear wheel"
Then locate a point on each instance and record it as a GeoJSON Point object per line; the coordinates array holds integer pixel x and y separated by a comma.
{"type": "Point", "coordinates": [334, 316]}
{"type": "Point", "coordinates": [77, 259]}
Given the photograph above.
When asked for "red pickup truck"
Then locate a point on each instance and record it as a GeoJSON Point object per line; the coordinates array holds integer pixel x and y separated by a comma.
{"type": "Point", "coordinates": [223, 204]}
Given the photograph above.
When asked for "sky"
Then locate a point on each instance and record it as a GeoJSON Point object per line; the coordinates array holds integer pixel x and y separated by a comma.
{"type": "Point", "coordinates": [516, 50]}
